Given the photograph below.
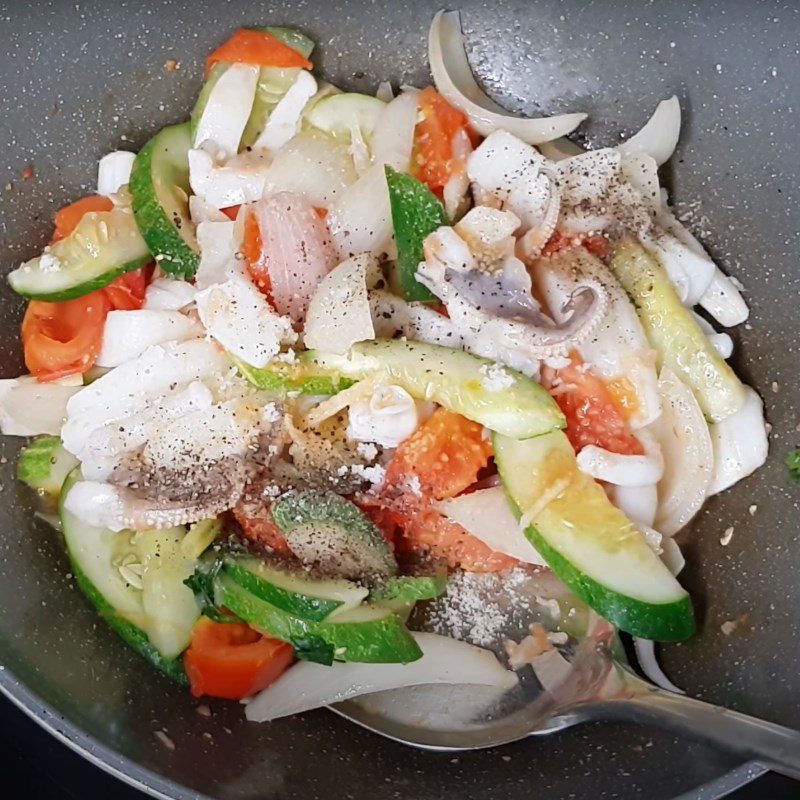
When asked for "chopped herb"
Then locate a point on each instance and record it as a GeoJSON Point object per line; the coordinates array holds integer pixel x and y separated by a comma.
{"type": "Point", "coordinates": [201, 582]}
{"type": "Point", "coordinates": [313, 648]}
{"type": "Point", "coordinates": [793, 462]}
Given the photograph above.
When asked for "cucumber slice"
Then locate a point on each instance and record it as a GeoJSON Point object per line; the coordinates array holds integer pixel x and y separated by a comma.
{"type": "Point", "coordinates": [326, 531]}
{"type": "Point", "coordinates": [44, 465]}
{"type": "Point", "coordinates": [410, 588]}
{"type": "Point", "coordinates": [416, 212]}
{"type": "Point", "coordinates": [294, 593]}
{"type": "Point", "coordinates": [588, 542]}
{"type": "Point", "coordinates": [160, 188]}
{"type": "Point", "coordinates": [368, 633]}
{"type": "Point", "coordinates": [453, 379]}
{"type": "Point", "coordinates": [103, 246]}
{"type": "Point", "coordinates": [339, 114]}
{"type": "Point", "coordinates": [677, 338]}
{"type": "Point", "coordinates": [279, 377]}
{"type": "Point", "coordinates": [145, 602]}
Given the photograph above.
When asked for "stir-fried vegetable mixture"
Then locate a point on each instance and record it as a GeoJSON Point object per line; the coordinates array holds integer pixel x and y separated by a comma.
{"type": "Point", "coordinates": [311, 353]}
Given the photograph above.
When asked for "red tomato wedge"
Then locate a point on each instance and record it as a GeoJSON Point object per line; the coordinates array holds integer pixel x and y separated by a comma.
{"type": "Point", "coordinates": [231, 212]}
{"type": "Point", "coordinates": [232, 660]}
{"type": "Point", "coordinates": [433, 139]}
{"type": "Point", "coordinates": [68, 217]}
{"type": "Point", "coordinates": [428, 531]}
{"type": "Point", "coordinates": [593, 415]}
{"type": "Point", "coordinates": [258, 49]}
{"type": "Point", "coordinates": [445, 454]}
{"type": "Point", "coordinates": [60, 339]}
{"type": "Point", "coordinates": [127, 292]}
{"type": "Point", "coordinates": [253, 249]}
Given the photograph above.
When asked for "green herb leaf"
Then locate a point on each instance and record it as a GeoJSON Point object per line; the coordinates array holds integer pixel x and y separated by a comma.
{"type": "Point", "coordinates": [313, 648]}
{"type": "Point", "coordinates": [793, 463]}
{"type": "Point", "coordinates": [201, 582]}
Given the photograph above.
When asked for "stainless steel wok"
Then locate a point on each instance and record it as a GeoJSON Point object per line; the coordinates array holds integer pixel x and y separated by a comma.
{"type": "Point", "coordinates": [81, 78]}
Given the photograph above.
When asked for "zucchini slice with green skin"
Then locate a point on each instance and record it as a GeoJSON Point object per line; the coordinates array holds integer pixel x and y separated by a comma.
{"type": "Point", "coordinates": [368, 633]}
{"type": "Point", "coordinates": [327, 531]}
{"type": "Point", "coordinates": [589, 543]}
{"type": "Point", "coordinates": [677, 338]}
{"type": "Point", "coordinates": [155, 620]}
{"type": "Point", "coordinates": [293, 592]}
{"type": "Point", "coordinates": [410, 588]}
{"type": "Point", "coordinates": [44, 465]}
{"type": "Point", "coordinates": [416, 212]}
{"type": "Point", "coordinates": [453, 379]}
{"type": "Point", "coordinates": [303, 378]}
{"type": "Point", "coordinates": [160, 188]}
{"type": "Point", "coordinates": [103, 246]}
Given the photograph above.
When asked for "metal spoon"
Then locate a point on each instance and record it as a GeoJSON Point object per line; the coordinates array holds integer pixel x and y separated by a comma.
{"type": "Point", "coordinates": [596, 683]}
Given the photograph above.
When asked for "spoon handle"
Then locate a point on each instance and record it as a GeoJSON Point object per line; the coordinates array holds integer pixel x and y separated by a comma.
{"type": "Point", "coordinates": [773, 746]}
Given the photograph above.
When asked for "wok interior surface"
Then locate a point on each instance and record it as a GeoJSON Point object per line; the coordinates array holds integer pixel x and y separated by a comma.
{"type": "Point", "coordinates": [80, 80]}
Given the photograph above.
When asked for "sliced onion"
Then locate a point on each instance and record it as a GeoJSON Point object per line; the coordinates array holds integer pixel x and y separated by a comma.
{"type": "Point", "coordinates": [29, 408]}
{"type": "Point", "coordinates": [239, 180]}
{"type": "Point", "coordinates": [672, 556]}
{"type": "Point", "coordinates": [168, 294]}
{"type": "Point", "coordinates": [739, 443]}
{"type": "Point", "coordinates": [393, 137]}
{"type": "Point", "coordinates": [127, 334]}
{"type": "Point", "coordinates": [227, 110]}
{"type": "Point", "coordinates": [685, 442]}
{"type": "Point", "coordinates": [314, 166]}
{"type": "Point", "coordinates": [387, 417]}
{"type": "Point", "coordinates": [385, 92]}
{"type": "Point", "coordinates": [114, 171]}
{"type": "Point", "coordinates": [486, 515]}
{"type": "Point", "coordinates": [691, 272]}
{"type": "Point", "coordinates": [445, 661]}
{"type": "Point", "coordinates": [659, 137]}
{"type": "Point", "coordinates": [724, 302]}
{"type": "Point", "coordinates": [638, 503]}
{"type": "Point", "coordinates": [297, 251]}
{"type": "Point", "coordinates": [560, 148]}
{"type": "Point", "coordinates": [456, 191]}
{"type": "Point", "coordinates": [646, 656]}
{"type": "Point", "coordinates": [239, 317]}
{"type": "Point", "coordinates": [641, 172]}
{"type": "Point", "coordinates": [339, 313]}
{"type": "Point", "coordinates": [201, 211]}
{"type": "Point", "coordinates": [360, 221]}
{"type": "Point", "coordinates": [454, 80]}
{"type": "Point", "coordinates": [284, 121]}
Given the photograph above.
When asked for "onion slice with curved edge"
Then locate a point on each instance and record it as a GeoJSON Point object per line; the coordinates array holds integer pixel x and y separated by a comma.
{"type": "Point", "coordinates": [339, 314]}
{"type": "Point", "coordinates": [445, 661]}
{"type": "Point", "coordinates": [485, 514]}
{"type": "Point", "coordinates": [393, 137]}
{"type": "Point", "coordinates": [739, 443]}
{"type": "Point", "coordinates": [659, 136]}
{"type": "Point", "coordinates": [454, 80]}
{"type": "Point", "coordinates": [618, 469]}
{"type": "Point", "coordinates": [646, 656]}
{"type": "Point", "coordinates": [685, 442]}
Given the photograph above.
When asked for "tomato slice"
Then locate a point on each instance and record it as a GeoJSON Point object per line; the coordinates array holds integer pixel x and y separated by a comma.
{"type": "Point", "coordinates": [253, 249]}
{"type": "Point", "coordinates": [127, 292]}
{"type": "Point", "coordinates": [444, 454]}
{"type": "Point", "coordinates": [258, 49]}
{"type": "Point", "coordinates": [593, 415]}
{"type": "Point", "coordinates": [231, 212]}
{"type": "Point", "coordinates": [67, 218]}
{"type": "Point", "coordinates": [433, 139]}
{"type": "Point", "coordinates": [231, 660]}
{"type": "Point", "coordinates": [427, 531]}
{"type": "Point", "coordinates": [60, 339]}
